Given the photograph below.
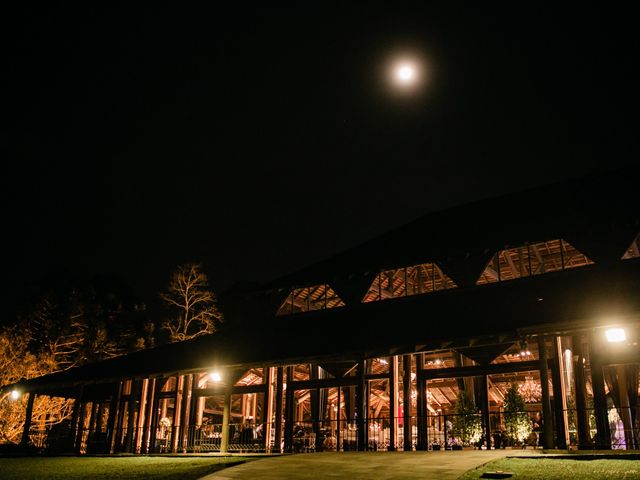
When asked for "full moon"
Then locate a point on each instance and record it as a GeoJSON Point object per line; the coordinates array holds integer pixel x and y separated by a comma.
{"type": "Point", "coordinates": [405, 73]}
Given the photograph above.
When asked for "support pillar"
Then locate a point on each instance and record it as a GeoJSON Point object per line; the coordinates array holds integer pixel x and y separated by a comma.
{"type": "Point", "coordinates": [226, 415]}
{"type": "Point", "coordinates": [183, 441]}
{"type": "Point", "coordinates": [603, 438]}
{"type": "Point", "coordinates": [148, 417]}
{"type": "Point", "coordinates": [113, 415]}
{"type": "Point", "coordinates": [559, 395]}
{"type": "Point", "coordinates": [315, 406]}
{"type": "Point", "coordinates": [625, 407]}
{"type": "Point", "coordinates": [582, 416]}
{"type": "Point", "coordinates": [288, 412]}
{"type": "Point", "coordinates": [421, 404]}
{"type": "Point", "coordinates": [24, 441]}
{"type": "Point", "coordinates": [406, 404]}
{"type": "Point", "coordinates": [267, 410]}
{"type": "Point", "coordinates": [131, 408]}
{"type": "Point", "coordinates": [393, 402]}
{"type": "Point", "coordinates": [278, 419]}
{"type": "Point", "coordinates": [547, 424]}
{"type": "Point", "coordinates": [361, 406]}
{"type": "Point", "coordinates": [486, 417]}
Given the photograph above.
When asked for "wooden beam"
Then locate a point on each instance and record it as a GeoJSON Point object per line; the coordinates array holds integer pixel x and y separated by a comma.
{"type": "Point", "coordinates": [477, 370]}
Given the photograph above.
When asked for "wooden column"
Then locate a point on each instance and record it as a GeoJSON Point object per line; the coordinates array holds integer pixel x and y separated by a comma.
{"type": "Point", "coordinates": [547, 424]}
{"type": "Point", "coordinates": [79, 422]}
{"type": "Point", "coordinates": [361, 406]}
{"type": "Point", "coordinates": [406, 403]}
{"type": "Point", "coordinates": [183, 441]}
{"type": "Point", "coordinates": [177, 409]}
{"type": "Point", "coordinates": [267, 409]}
{"type": "Point", "coordinates": [145, 446]}
{"type": "Point", "coordinates": [486, 417]}
{"type": "Point", "coordinates": [603, 438]}
{"type": "Point", "coordinates": [421, 404]}
{"type": "Point", "coordinates": [582, 416]}
{"type": "Point", "coordinates": [278, 419]}
{"type": "Point", "coordinates": [393, 402]}
{"type": "Point", "coordinates": [226, 415]}
{"type": "Point", "coordinates": [315, 406]}
{"type": "Point", "coordinates": [625, 407]}
{"type": "Point", "coordinates": [131, 413]}
{"type": "Point", "coordinates": [113, 416]}
{"type": "Point", "coordinates": [289, 412]}
{"type": "Point", "coordinates": [559, 395]}
{"type": "Point", "coordinates": [24, 441]}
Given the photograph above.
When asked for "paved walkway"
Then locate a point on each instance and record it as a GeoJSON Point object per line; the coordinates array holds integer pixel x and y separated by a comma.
{"type": "Point", "coordinates": [447, 465]}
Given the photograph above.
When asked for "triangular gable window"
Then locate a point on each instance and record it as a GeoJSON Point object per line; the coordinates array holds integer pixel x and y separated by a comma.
{"type": "Point", "coordinates": [405, 281]}
{"type": "Point", "coordinates": [532, 259]}
{"type": "Point", "coordinates": [634, 249]}
{"type": "Point", "coordinates": [317, 297]}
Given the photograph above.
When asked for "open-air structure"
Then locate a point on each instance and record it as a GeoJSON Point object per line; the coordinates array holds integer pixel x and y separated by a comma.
{"type": "Point", "coordinates": [370, 349]}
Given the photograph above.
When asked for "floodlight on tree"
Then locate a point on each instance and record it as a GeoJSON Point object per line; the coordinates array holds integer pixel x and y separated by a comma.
{"type": "Point", "coordinates": [615, 335]}
{"type": "Point", "coordinates": [15, 394]}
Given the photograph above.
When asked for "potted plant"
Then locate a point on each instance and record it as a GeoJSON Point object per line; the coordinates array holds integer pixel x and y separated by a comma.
{"type": "Point", "coordinates": [516, 419]}
{"type": "Point", "coordinates": [467, 426]}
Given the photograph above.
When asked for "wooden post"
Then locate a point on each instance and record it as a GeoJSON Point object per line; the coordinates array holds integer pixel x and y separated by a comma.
{"type": "Point", "coordinates": [226, 415]}
{"type": "Point", "coordinates": [131, 413]}
{"type": "Point", "coordinates": [78, 421]}
{"type": "Point", "coordinates": [547, 425]}
{"type": "Point", "coordinates": [315, 406]}
{"type": "Point", "coordinates": [288, 412]}
{"type": "Point", "coordinates": [278, 419]}
{"type": "Point", "coordinates": [361, 406]}
{"type": "Point", "coordinates": [625, 407]}
{"type": "Point", "coordinates": [603, 439]}
{"type": "Point", "coordinates": [113, 415]}
{"type": "Point", "coordinates": [393, 402]}
{"type": "Point", "coordinates": [148, 417]}
{"type": "Point", "coordinates": [177, 410]}
{"type": "Point", "coordinates": [559, 395]}
{"type": "Point", "coordinates": [183, 441]}
{"type": "Point", "coordinates": [24, 441]}
{"type": "Point", "coordinates": [421, 404]}
{"type": "Point", "coordinates": [267, 409]}
{"type": "Point", "coordinates": [406, 404]}
{"type": "Point", "coordinates": [582, 416]}
{"type": "Point", "coordinates": [486, 417]}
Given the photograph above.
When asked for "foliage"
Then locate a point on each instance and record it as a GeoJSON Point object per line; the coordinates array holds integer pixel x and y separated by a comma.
{"type": "Point", "coordinates": [516, 419]}
{"type": "Point", "coordinates": [467, 425]}
{"type": "Point", "coordinates": [16, 363]}
{"type": "Point", "coordinates": [192, 303]}
{"type": "Point", "coordinates": [69, 324]}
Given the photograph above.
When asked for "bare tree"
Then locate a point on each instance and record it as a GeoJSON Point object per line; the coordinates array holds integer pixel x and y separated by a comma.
{"type": "Point", "coordinates": [194, 305]}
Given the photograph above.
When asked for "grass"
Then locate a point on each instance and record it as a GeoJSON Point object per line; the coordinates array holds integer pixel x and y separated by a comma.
{"type": "Point", "coordinates": [121, 468]}
{"type": "Point", "coordinates": [560, 469]}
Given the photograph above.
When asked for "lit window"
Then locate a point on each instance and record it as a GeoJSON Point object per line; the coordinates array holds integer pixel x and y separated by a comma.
{"type": "Point", "coordinates": [405, 281]}
{"type": "Point", "coordinates": [532, 259]}
{"type": "Point", "coordinates": [317, 297]}
{"type": "Point", "coordinates": [634, 249]}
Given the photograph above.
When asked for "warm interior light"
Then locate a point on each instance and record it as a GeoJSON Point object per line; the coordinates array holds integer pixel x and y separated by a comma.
{"type": "Point", "coordinates": [615, 335]}
{"type": "Point", "coordinates": [15, 394]}
{"type": "Point", "coordinates": [215, 376]}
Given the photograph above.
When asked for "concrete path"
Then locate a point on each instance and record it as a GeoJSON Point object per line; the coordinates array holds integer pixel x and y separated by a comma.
{"type": "Point", "coordinates": [447, 465]}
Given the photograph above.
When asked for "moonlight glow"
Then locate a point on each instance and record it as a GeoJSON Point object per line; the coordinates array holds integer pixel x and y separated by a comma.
{"type": "Point", "coordinates": [406, 73]}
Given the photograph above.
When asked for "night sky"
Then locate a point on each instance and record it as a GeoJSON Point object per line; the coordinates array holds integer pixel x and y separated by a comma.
{"type": "Point", "coordinates": [258, 140]}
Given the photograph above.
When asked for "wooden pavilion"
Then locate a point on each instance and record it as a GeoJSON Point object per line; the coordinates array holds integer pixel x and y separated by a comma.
{"type": "Point", "coordinates": [370, 349]}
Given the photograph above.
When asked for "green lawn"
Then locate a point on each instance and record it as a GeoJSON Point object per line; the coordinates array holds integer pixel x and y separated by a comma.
{"type": "Point", "coordinates": [557, 469]}
{"type": "Point", "coordinates": [121, 468]}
